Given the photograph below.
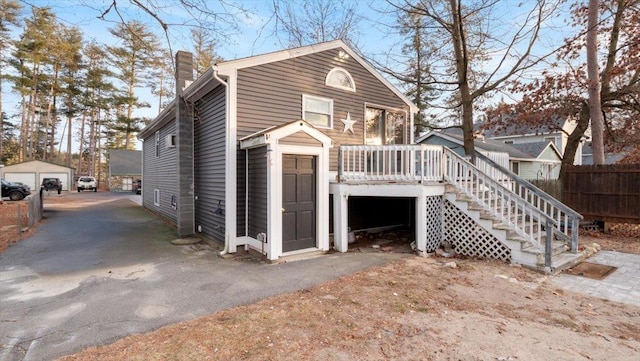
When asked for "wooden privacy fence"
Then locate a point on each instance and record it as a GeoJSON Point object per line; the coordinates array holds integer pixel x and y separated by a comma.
{"type": "Point", "coordinates": [604, 192]}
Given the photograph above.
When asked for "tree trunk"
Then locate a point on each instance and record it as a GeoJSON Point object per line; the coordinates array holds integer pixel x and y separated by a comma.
{"type": "Point", "coordinates": [69, 138]}
{"type": "Point", "coordinates": [593, 73]}
{"type": "Point", "coordinates": [462, 68]}
{"type": "Point", "coordinates": [83, 121]}
{"type": "Point", "coordinates": [574, 139]}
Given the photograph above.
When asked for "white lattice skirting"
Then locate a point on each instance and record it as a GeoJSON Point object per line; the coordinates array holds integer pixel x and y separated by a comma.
{"type": "Point", "coordinates": [468, 238]}
{"type": "Point", "coordinates": [434, 229]}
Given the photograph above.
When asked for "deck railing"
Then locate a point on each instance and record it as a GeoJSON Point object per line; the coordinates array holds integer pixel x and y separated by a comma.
{"type": "Point", "coordinates": [531, 213]}
{"type": "Point", "coordinates": [507, 207]}
{"type": "Point", "coordinates": [565, 220]}
{"type": "Point", "coordinates": [390, 163]}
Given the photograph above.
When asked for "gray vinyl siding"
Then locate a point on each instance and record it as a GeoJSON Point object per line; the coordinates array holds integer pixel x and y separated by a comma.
{"type": "Point", "coordinates": [300, 138]}
{"type": "Point", "coordinates": [257, 191]}
{"type": "Point", "coordinates": [241, 167]}
{"type": "Point", "coordinates": [160, 173]}
{"type": "Point", "coordinates": [271, 94]}
{"type": "Point", "coordinates": [209, 164]}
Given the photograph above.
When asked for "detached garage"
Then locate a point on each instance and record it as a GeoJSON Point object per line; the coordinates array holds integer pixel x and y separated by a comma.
{"type": "Point", "coordinates": [32, 172]}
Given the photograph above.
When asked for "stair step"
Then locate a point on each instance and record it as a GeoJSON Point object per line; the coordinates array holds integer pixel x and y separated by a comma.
{"type": "Point", "coordinates": [556, 248]}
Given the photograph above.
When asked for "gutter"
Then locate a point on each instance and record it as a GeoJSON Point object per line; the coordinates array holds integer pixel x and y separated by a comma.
{"type": "Point", "coordinates": [224, 83]}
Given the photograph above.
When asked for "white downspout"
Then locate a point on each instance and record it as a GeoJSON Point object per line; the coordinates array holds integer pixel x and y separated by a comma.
{"type": "Point", "coordinates": [246, 196]}
{"type": "Point", "coordinates": [224, 83]}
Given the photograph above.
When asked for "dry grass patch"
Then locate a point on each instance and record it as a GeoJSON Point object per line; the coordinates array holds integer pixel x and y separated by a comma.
{"type": "Point", "coordinates": [414, 309]}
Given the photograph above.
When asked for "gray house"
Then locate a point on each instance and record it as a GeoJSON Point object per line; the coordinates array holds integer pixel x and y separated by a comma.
{"type": "Point", "coordinates": [246, 153]}
{"type": "Point", "coordinates": [277, 152]}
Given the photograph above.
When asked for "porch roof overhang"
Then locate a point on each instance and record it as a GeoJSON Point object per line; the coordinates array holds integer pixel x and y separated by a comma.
{"type": "Point", "coordinates": [273, 134]}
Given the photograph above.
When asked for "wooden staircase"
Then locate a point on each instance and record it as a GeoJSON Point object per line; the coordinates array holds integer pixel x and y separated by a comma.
{"type": "Point", "coordinates": [540, 231]}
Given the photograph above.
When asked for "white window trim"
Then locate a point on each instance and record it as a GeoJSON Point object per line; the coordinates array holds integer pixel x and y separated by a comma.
{"type": "Point", "coordinates": [386, 109]}
{"type": "Point", "coordinates": [342, 70]}
{"type": "Point", "coordinates": [170, 141]}
{"type": "Point", "coordinates": [515, 163]}
{"type": "Point", "coordinates": [157, 144]}
{"type": "Point", "coordinates": [305, 96]}
{"type": "Point", "coordinates": [156, 197]}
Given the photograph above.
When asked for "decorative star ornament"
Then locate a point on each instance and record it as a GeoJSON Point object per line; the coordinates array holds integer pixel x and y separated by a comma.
{"type": "Point", "coordinates": [348, 123]}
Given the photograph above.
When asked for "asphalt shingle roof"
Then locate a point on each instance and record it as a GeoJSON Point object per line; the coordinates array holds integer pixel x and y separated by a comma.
{"type": "Point", "coordinates": [125, 162]}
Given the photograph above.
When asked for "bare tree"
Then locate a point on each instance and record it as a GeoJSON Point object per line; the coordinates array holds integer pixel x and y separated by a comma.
{"type": "Point", "coordinates": [304, 22]}
{"type": "Point", "coordinates": [469, 36]}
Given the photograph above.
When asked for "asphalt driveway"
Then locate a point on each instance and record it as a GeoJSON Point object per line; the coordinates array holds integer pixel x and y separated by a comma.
{"type": "Point", "coordinates": [100, 267]}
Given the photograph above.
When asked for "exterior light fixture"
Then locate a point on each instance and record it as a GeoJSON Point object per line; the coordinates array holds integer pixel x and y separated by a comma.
{"type": "Point", "coordinates": [343, 55]}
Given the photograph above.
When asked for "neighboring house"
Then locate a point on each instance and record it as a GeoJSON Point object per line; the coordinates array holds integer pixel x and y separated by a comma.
{"type": "Point", "coordinates": [277, 152]}
{"type": "Point", "coordinates": [33, 172]}
{"type": "Point", "coordinates": [609, 158]}
{"type": "Point", "coordinates": [515, 133]}
{"type": "Point", "coordinates": [125, 166]}
{"type": "Point", "coordinates": [530, 160]}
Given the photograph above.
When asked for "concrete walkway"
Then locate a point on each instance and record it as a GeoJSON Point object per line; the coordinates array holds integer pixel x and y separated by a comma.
{"type": "Point", "coordinates": [623, 285]}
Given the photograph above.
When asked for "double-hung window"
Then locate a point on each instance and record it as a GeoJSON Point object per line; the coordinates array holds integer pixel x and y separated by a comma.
{"type": "Point", "coordinates": [317, 111]}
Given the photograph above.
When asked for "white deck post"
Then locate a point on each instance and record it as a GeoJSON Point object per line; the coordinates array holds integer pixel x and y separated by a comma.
{"type": "Point", "coordinates": [421, 223]}
{"type": "Point", "coordinates": [340, 222]}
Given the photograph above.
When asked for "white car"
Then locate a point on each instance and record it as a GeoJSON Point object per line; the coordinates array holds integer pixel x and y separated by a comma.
{"type": "Point", "coordinates": [87, 183]}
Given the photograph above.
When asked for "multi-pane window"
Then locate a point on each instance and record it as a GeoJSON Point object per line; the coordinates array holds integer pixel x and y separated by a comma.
{"type": "Point", "coordinates": [383, 126]}
{"type": "Point", "coordinates": [317, 111]}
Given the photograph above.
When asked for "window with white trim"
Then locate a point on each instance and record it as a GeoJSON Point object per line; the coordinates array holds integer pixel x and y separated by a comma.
{"type": "Point", "coordinates": [317, 111]}
{"type": "Point", "coordinates": [515, 167]}
{"type": "Point", "coordinates": [157, 144]}
{"type": "Point", "coordinates": [156, 197]}
{"type": "Point", "coordinates": [341, 79]}
{"type": "Point", "coordinates": [384, 126]}
{"type": "Point", "coordinates": [170, 141]}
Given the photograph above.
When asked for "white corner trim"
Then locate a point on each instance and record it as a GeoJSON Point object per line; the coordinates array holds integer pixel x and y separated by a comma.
{"type": "Point", "coordinates": [231, 177]}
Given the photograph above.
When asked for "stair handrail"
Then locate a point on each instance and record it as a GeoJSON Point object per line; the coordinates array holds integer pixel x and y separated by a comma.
{"type": "Point", "coordinates": [571, 217]}
{"type": "Point", "coordinates": [515, 206]}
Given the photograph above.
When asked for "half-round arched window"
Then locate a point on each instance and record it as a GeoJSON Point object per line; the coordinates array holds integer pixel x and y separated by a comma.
{"type": "Point", "coordinates": [340, 78]}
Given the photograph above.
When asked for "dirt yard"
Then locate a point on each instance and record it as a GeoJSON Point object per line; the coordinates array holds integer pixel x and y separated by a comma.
{"type": "Point", "coordinates": [414, 309]}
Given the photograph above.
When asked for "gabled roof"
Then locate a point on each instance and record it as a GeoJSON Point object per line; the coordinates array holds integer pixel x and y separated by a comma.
{"type": "Point", "coordinates": [211, 79]}
{"type": "Point", "coordinates": [275, 133]}
{"type": "Point", "coordinates": [228, 67]}
{"type": "Point", "coordinates": [508, 126]}
{"type": "Point", "coordinates": [125, 162]}
{"type": "Point", "coordinates": [524, 151]}
{"type": "Point", "coordinates": [223, 67]}
{"type": "Point", "coordinates": [40, 161]}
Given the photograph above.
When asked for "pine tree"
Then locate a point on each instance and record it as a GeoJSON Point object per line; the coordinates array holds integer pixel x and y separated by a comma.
{"type": "Point", "coordinates": [133, 58]}
{"type": "Point", "coordinates": [9, 16]}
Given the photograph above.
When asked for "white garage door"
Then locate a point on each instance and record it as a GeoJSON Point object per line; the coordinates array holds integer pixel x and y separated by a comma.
{"type": "Point", "coordinates": [25, 178]}
{"type": "Point", "coordinates": [64, 178]}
